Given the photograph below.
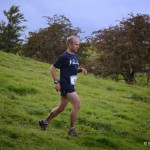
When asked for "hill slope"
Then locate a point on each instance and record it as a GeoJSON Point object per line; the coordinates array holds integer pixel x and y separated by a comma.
{"type": "Point", "coordinates": [113, 115]}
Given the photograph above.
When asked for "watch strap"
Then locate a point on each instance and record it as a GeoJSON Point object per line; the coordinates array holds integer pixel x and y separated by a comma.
{"type": "Point", "coordinates": [56, 81]}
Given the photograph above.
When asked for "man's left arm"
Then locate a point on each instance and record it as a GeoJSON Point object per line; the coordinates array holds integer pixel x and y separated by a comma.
{"type": "Point", "coordinates": [84, 71]}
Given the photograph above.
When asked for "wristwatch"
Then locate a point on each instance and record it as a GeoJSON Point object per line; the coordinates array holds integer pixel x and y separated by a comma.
{"type": "Point", "coordinates": [56, 81]}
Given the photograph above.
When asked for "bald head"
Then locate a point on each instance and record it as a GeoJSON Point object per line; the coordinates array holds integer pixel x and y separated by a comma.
{"type": "Point", "coordinates": [73, 44]}
{"type": "Point", "coordinates": [72, 39]}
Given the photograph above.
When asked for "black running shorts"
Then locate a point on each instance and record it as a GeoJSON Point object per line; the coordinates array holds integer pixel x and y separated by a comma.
{"type": "Point", "coordinates": [67, 89]}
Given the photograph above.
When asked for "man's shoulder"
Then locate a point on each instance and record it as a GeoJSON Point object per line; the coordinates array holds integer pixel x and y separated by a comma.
{"type": "Point", "coordinates": [64, 55]}
{"type": "Point", "coordinates": [68, 56]}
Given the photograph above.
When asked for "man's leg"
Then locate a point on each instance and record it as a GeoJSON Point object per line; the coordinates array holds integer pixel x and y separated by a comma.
{"type": "Point", "coordinates": [62, 105]}
{"type": "Point", "coordinates": [75, 101]}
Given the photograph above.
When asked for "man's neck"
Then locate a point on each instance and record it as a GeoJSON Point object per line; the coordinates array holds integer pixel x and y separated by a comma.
{"type": "Point", "coordinates": [70, 52]}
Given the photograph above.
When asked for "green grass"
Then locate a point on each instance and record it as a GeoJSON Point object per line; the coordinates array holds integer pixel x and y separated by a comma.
{"type": "Point", "coordinates": [113, 115]}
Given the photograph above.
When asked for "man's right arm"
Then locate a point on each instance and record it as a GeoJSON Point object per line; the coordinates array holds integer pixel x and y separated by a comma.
{"type": "Point", "coordinates": [54, 75]}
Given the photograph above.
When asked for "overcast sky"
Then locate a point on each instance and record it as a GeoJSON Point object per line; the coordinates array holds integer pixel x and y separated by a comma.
{"type": "Point", "coordinates": [88, 15]}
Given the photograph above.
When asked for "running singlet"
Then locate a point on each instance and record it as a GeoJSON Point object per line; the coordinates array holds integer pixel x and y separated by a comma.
{"type": "Point", "coordinates": [68, 65]}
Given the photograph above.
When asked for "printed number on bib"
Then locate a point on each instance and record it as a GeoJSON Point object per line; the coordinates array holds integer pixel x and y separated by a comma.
{"type": "Point", "coordinates": [73, 79]}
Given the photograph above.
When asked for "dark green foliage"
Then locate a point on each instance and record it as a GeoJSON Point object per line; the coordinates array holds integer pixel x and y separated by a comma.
{"type": "Point", "coordinates": [100, 142]}
{"type": "Point", "coordinates": [22, 90]}
{"type": "Point", "coordinates": [110, 88]}
{"type": "Point", "coordinates": [140, 98]}
{"type": "Point", "coordinates": [11, 32]}
{"type": "Point", "coordinates": [122, 116]}
{"type": "Point", "coordinates": [95, 125]}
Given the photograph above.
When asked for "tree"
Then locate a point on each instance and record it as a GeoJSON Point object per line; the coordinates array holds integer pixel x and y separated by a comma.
{"type": "Point", "coordinates": [124, 49]}
{"type": "Point", "coordinates": [46, 44]}
{"type": "Point", "coordinates": [11, 32]}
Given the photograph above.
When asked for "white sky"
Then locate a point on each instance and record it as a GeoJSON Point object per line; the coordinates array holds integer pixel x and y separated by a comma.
{"type": "Point", "coordinates": [88, 15]}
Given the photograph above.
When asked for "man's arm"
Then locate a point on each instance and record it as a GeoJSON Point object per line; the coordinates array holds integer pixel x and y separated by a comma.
{"type": "Point", "coordinates": [54, 75]}
{"type": "Point", "coordinates": [84, 71]}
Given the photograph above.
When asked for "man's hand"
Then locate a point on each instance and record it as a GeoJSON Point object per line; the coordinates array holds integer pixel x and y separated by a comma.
{"type": "Point", "coordinates": [84, 71]}
{"type": "Point", "coordinates": [57, 87]}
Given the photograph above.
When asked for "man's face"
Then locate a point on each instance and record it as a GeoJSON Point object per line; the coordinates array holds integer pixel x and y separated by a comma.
{"type": "Point", "coordinates": [74, 46]}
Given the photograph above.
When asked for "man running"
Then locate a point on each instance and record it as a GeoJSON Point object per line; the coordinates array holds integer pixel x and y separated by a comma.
{"type": "Point", "coordinates": [69, 67]}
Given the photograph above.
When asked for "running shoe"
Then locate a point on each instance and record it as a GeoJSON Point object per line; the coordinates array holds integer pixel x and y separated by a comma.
{"type": "Point", "coordinates": [43, 124]}
{"type": "Point", "coordinates": [72, 132]}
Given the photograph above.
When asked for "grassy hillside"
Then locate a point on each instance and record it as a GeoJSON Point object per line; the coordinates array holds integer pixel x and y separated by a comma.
{"type": "Point", "coordinates": [113, 115]}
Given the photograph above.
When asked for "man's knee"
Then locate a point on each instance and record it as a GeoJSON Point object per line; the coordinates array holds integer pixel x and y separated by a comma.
{"type": "Point", "coordinates": [77, 105]}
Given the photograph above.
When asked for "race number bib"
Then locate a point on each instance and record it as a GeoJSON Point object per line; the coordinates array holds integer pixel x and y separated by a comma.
{"type": "Point", "coordinates": [73, 79]}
